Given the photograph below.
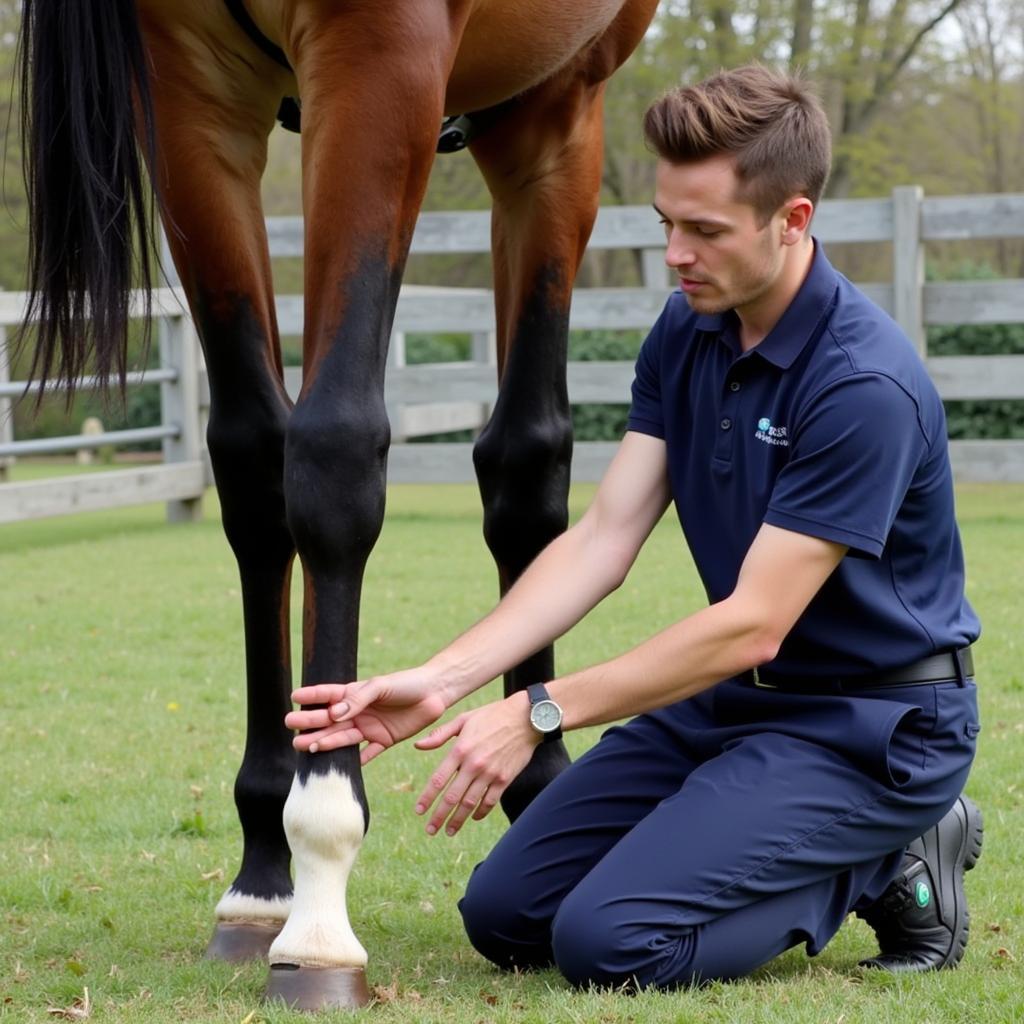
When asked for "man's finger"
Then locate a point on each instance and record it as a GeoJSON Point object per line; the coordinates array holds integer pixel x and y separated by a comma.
{"type": "Point", "coordinates": [489, 801]}
{"type": "Point", "coordinates": [370, 751]}
{"type": "Point", "coordinates": [328, 739]}
{"type": "Point", "coordinates": [315, 719]}
{"type": "Point", "coordinates": [321, 693]}
{"type": "Point", "coordinates": [441, 735]}
{"type": "Point", "coordinates": [451, 802]}
{"type": "Point", "coordinates": [357, 697]}
{"type": "Point", "coordinates": [468, 804]}
{"type": "Point", "coordinates": [440, 778]}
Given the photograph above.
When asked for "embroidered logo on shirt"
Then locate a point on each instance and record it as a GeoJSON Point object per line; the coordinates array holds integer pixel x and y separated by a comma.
{"type": "Point", "coordinates": [771, 435]}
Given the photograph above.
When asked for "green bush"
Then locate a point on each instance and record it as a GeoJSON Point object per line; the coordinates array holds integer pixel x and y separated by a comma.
{"type": "Point", "coordinates": [599, 422]}
{"type": "Point", "coordinates": [988, 419]}
{"type": "Point", "coordinates": [436, 348]}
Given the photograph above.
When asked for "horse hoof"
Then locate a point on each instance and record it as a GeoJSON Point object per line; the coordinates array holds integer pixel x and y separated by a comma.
{"type": "Point", "coordinates": [243, 941]}
{"type": "Point", "coordinates": [318, 988]}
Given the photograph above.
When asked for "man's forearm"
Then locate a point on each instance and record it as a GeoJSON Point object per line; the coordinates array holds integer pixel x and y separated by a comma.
{"type": "Point", "coordinates": [780, 574]}
{"type": "Point", "coordinates": [713, 644]}
{"type": "Point", "coordinates": [573, 574]}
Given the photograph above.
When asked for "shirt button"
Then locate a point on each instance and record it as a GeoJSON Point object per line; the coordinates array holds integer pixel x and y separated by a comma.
{"type": "Point", "coordinates": [734, 386]}
{"type": "Point", "coordinates": [726, 423]}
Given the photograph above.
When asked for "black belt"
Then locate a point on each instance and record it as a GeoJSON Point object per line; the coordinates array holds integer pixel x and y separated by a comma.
{"type": "Point", "coordinates": [935, 669]}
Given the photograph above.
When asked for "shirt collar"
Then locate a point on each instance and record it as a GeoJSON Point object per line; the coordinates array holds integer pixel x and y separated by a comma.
{"type": "Point", "coordinates": [798, 325]}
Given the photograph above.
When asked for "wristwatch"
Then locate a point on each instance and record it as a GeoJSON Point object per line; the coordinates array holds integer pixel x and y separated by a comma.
{"type": "Point", "coordinates": [545, 714]}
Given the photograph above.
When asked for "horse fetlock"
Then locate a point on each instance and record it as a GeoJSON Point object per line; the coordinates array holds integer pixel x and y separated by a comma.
{"type": "Point", "coordinates": [262, 786]}
{"type": "Point", "coordinates": [322, 814]}
{"type": "Point", "coordinates": [322, 942]}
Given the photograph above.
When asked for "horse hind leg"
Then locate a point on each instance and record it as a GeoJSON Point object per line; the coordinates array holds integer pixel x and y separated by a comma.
{"type": "Point", "coordinates": [543, 167]}
{"type": "Point", "coordinates": [210, 165]}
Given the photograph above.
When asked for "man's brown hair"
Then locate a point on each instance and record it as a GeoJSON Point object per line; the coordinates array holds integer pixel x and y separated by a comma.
{"type": "Point", "coordinates": [771, 123]}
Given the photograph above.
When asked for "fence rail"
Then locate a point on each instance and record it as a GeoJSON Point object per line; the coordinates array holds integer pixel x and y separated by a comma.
{"type": "Point", "coordinates": [434, 398]}
{"type": "Point", "coordinates": [183, 478]}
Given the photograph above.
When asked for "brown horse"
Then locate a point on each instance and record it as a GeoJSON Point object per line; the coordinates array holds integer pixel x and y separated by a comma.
{"type": "Point", "coordinates": [194, 86]}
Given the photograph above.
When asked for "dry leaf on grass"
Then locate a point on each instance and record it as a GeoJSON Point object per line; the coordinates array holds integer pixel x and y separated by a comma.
{"type": "Point", "coordinates": [385, 993]}
{"type": "Point", "coordinates": [80, 1009]}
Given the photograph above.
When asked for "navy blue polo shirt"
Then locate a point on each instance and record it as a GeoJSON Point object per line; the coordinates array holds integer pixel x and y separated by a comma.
{"type": "Point", "coordinates": [829, 427]}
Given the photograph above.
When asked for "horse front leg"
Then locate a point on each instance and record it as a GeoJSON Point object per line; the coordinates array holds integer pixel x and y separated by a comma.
{"type": "Point", "coordinates": [361, 193]}
{"type": "Point", "coordinates": [543, 167]}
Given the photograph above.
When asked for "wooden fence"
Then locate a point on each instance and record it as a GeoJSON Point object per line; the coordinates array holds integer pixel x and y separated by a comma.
{"type": "Point", "coordinates": [434, 398]}
{"type": "Point", "coordinates": [184, 475]}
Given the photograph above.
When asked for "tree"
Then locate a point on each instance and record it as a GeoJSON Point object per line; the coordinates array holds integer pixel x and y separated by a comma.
{"type": "Point", "coordinates": [857, 52]}
{"type": "Point", "coordinates": [880, 48]}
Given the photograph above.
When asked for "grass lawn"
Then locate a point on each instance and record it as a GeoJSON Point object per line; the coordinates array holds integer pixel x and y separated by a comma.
{"type": "Point", "coordinates": [121, 731]}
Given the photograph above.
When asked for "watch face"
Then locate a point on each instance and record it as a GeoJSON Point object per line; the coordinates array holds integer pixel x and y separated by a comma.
{"type": "Point", "coordinates": [546, 715]}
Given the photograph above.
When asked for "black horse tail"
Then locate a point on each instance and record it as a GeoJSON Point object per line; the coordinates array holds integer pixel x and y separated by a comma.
{"type": "Point", "coordinates": [86, 117]}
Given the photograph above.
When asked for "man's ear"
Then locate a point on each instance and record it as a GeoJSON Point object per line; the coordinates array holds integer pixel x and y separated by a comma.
{"type": "Point", "coordinates": [798, 212]}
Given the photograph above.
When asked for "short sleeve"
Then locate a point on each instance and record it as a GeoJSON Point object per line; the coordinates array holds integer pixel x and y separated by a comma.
{"type": "Point", "coordinates": [855, 450]}
{"type": "Point", "coordinates": [645, 412]}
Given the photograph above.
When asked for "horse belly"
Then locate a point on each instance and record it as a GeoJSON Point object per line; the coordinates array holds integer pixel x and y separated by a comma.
{"type": "Point", "coordinates": [509, 46]}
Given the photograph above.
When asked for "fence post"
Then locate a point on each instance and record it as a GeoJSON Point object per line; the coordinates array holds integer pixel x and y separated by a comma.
{"type": "Point", "coordinates": [179, 405]}
{"type": "Point", "coordinates": [908, 264]}
{"type": "Point", "coordinates": [484, 350]}
{"type": "Point", "coordinates": [655, 271]}
{"type": "Point", "coordinates": [6, 409]}
{"type": "Point", "coordinates": [396, 411]}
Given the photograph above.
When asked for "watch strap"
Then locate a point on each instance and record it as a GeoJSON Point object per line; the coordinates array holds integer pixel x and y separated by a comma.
{"type": "Point", "coordinates": [537, 692]}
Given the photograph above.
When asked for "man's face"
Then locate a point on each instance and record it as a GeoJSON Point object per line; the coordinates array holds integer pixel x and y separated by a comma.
{"type": "Point", "coordinates": [723, 257]}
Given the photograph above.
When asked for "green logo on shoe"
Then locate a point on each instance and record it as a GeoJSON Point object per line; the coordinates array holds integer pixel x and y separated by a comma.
{"type": "Point", "coordinates": [922, 894]}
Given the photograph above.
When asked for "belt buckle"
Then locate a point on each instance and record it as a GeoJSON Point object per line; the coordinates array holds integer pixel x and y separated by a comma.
{"type": "Point", "coordinates": [756, 676]}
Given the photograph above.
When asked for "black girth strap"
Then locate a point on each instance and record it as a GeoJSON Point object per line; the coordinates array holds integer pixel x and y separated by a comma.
{"type": "Point", "coordinates": [459, 131]}
{"type": "Point", "coordinates": [456, 132]}
{"type": "Point", "coordinates": [290, 111]}
{"type": "Point", "coordinates": [249, 27]}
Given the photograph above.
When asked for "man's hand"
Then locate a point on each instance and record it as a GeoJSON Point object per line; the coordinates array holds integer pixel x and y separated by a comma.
{"type": "Point", "coordinates": [380, 712]}
{"type": "Point", "coordinates": [494, 745]}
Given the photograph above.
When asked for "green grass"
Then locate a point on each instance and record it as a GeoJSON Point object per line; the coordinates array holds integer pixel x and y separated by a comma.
{"type": "Point", "coordinates": [121, 731]}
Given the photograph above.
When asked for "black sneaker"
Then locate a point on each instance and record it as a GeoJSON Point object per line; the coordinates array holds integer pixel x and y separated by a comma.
{"type": "Point", "coordinates": [921, 919]}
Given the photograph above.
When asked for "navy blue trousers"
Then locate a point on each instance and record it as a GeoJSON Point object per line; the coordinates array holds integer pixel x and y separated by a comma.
{"type": "Point", "coordinates": [699, 841]}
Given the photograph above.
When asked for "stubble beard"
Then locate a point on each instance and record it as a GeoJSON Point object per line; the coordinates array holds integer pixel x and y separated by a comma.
{"type": "Point", "coordinates": [750, 285]}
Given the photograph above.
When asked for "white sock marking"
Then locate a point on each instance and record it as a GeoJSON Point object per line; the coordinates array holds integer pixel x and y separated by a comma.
{"type": "Point", "coordinates": [238, 908]}
{"type": "Point", "coordinates": [324, 824]}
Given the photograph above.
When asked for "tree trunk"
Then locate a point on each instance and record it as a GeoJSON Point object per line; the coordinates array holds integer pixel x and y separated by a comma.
{"type": "Point", "coordinates": [800, 45]}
